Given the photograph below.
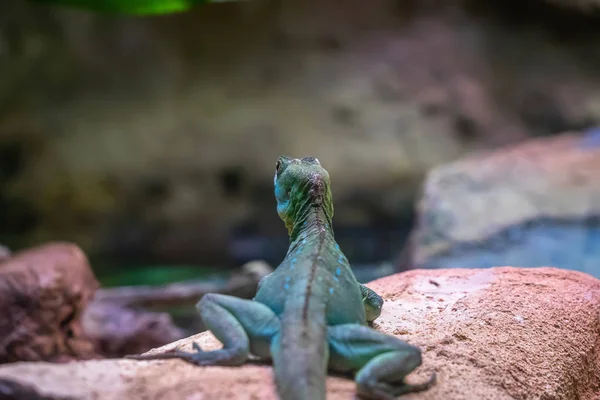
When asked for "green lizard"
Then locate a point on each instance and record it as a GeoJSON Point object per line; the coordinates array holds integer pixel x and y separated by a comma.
{"type": "Point", "coordinates": [310, 314]}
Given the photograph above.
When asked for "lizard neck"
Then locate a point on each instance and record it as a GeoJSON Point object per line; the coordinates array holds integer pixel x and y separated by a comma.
{"type": "Point", "coordinates": [315, 223]}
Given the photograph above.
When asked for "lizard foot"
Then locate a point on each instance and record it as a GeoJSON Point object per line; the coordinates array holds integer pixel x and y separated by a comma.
{"type": "Point", "coordinates": [197, 347]}
{"type": "Point", "coordinates": [238, 324]}
{"type": "Point", "coordinates": [418, 387]}
{"type": "Point", "coordinates": [386, 391]}
{"type": "Point", "coordinates": [225, 357]}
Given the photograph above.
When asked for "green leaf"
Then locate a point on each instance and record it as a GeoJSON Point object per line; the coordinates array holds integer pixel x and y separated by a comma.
{"type": "Point", "coordinates": [131, 7]}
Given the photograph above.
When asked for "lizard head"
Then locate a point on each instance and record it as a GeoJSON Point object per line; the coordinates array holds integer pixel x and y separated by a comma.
{"type": "Point", "coordinates": [300, 184]}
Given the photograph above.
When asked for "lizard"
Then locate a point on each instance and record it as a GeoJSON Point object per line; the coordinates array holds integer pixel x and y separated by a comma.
{"type": "Point", "coordinates": [310, 315]}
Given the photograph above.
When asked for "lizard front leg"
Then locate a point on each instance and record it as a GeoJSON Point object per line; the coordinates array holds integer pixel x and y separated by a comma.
{"type": "Point", "coordinates": [243, 326]}
{"type": "Point", "coordinates": [380, 361]}
{"type": "Point", "coordinates": [372, 302]}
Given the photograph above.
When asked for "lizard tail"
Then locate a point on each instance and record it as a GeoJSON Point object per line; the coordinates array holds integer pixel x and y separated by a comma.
{"type": "Point", "coordinates": [300, 354]}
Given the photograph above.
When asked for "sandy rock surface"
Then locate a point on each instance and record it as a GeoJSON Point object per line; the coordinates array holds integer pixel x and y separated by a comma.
{"type": "Point", "coordinates": [500, 333]}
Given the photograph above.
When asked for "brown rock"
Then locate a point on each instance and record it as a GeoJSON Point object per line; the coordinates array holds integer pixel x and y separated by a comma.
{"type": "Point", "coordinates": [118, 320]}
{"type": "Point", "coordinates": [118, 330]}
{"type": "Point", "coordinates": [42, 293]}
{"type": "Point", "coordinates": [4, 253]}
{"type": "Point", "coordinates": [534, 204]}
{"type": "Point", "coordinates": [499, 333]}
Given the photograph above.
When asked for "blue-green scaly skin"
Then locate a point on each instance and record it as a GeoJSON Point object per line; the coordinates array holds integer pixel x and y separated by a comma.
{"type": "Point", "coordinates": [310, 315]}
{"type": "Point", "coordinates": [314, 269]}
{"type": "Point", "coordinates": [313, 287]}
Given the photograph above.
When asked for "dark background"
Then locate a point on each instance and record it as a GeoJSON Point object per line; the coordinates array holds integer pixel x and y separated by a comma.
{"type": "Point", "coordinates": [152, 141]}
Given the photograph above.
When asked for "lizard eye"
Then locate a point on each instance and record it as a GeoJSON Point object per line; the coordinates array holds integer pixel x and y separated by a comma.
{"type": "Point", "coordinates": [277, 166]}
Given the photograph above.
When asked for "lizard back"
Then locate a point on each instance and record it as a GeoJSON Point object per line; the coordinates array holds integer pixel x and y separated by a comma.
{"type": "Point", "coordinates": [313, 287]}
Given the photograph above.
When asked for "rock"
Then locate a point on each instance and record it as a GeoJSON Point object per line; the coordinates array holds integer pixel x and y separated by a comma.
{"type": "Point", "coordinates": [117, 330]}
{"type": "Point", "coordinates": [48, 311]}
{"type": "Point", "coordinates": [256, 269]}
{"type": "Point", "coordinates": [119, 321]}
{"type": "Point", "coordinates": [498, 333]}
{"type": "Point", "coordinates": [43, 292]}
{"type": "Point", "coordinates": [4, 253]}
{"type": "Point", "coordinates": [531, 205]}
{"type": "Point", "coordinates": [241, 283]}
{"type": "Point", "coordinates": [12, 390]}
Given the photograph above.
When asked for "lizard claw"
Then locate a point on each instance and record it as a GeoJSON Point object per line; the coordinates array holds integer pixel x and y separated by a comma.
{"type": "Point", "coordinates": [194, 358]}
{"type": "Point", "coordinates": [171, 354]}
{"type": "Point", "coordinates": [197, 347]}
{"type": "Point", "coordinates": [418, 387]}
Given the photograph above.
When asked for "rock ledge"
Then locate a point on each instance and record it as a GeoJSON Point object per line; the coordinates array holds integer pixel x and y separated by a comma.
{"type": "Point", "coordinates": [499, 333]}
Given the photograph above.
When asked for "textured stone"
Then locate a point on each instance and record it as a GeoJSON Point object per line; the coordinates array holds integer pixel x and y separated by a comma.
{"type": "Point", "coordinates": [4, 253]}
{"type": "Point", "coordinates": [534, 204]}
{"type": "Point", "coordinates": [499, 333]}
{"type": "Point", "coordinates": [43, 292]}
{"type": "Point", "coordinates": [116, 330]}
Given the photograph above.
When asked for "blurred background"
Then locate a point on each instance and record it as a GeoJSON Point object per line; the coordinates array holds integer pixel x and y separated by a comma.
{"type": "Point", "coordinates": [460, 134]}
